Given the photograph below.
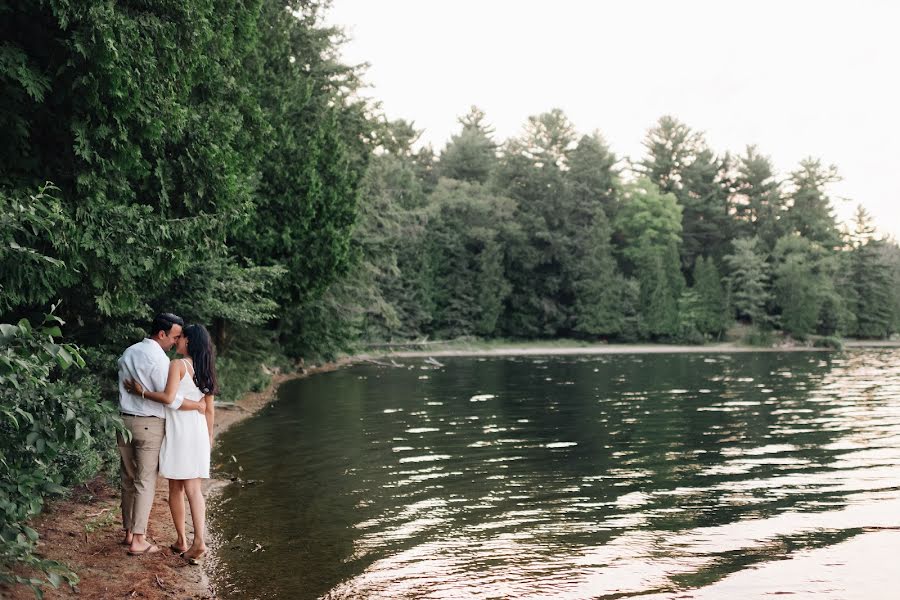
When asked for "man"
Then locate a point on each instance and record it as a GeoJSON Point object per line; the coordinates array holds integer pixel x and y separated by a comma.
{"type": "Point", "coordinates": [147, 363]}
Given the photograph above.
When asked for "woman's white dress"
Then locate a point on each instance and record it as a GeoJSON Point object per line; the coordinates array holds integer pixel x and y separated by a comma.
{"type": "Point", "coordinates": [185, 449]}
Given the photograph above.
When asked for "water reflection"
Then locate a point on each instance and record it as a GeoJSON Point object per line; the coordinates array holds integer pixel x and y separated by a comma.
{"type": "Point", "coordinates": [659, 476]}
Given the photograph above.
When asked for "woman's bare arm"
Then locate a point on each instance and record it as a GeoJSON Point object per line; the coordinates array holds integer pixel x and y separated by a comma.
{"type": "Point", "coordinates": [210, 415]}
{"type": "Point", "coordinates": [176, 372]}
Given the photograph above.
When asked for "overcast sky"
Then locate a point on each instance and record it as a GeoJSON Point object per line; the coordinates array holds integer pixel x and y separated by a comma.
{"type": "Point", "coordinates": [796, 78]}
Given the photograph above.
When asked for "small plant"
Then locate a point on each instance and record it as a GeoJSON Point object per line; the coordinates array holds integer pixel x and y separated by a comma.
{"type": "Point", "coordinates": [829, 341]}
{"type": "Point", "coordinates": [759, 337]}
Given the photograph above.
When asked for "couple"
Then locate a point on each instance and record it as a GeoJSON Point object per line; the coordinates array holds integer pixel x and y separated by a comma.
{"type": "Point", "coordinates": [168, 408]}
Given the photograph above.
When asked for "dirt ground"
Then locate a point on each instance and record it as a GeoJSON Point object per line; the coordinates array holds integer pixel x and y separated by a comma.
{"type": "Point", "coordinates": [84, 532]}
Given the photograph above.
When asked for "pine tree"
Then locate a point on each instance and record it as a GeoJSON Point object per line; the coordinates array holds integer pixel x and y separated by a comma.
{"type": "Point", "coordinates": [871, 280]}
{"type": "Point", "coordinates": [757, 202]}
{"type": "Point", "coordinates": [679, 162]}
{"type": "Point", "coordinates": [810, 213]}
{"type": "Point", "coordinates": [658, 303]}
{"type": "Point", "coordinates": [748, 281]}
{"type": "Point", "coordinates": [470, 155]}
{"type": "Point", "coordinates": [712, 309]}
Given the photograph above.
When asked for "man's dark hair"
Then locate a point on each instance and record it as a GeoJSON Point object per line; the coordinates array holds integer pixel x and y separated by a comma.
{"type": "Point", "coordinates": [164, 322]}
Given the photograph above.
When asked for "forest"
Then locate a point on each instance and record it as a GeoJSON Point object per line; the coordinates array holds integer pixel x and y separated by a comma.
{"type": "Point", "coordinates": [220, 161]}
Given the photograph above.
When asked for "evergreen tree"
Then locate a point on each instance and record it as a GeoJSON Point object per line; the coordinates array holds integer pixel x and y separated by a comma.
{"type": "Point", "coordinates": [748, 281]}
{"type": "Point", "coordinates": [470, 155]}
{"type": "Point", "coordinates": [591, 283]}
{"type": "Point", "coordinates": [595, 281]}
{"type": "Point", "coordinates": [803, 285]}
{"type": "Point", "coordinates": [711, 307]}
{"type": "Point", "coordinates": [659, 317]}
{"type": "Point", "coordinates": [758, 203]}
{"type": "Point", "coordinates": [464, 236]}
{"type": "Point", "coordinates": [679, 162]}
{"type": "Point", "coordinates": [810, 213]}
{"type": "Point", "coordinates": [316, 151]}
{"type": "Point", "coordinates": [593, 175]}
{"type": "Point", "coordinates": [531, 172]}
{"type": "Point", "coordinates": [874, 301]}
{"type": "Point", "coordinates": [143, 121]}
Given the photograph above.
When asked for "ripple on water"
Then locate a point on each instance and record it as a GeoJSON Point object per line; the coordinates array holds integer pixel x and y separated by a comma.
{"type": "Point", "coordinates": [661, 477]}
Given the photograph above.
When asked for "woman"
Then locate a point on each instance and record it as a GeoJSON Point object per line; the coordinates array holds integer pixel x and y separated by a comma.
{"type": "Point", "coordinates": [184, 456]}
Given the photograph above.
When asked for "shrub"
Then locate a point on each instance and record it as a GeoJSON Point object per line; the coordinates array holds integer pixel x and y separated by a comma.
{"type": "Point", "coordinates": [829, 341]}
{"type": "Point", "coordinates": [54, 432]}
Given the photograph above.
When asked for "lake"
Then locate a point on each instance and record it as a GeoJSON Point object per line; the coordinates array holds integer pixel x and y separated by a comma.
{"type": "Point", "coordinates": [657, 476]}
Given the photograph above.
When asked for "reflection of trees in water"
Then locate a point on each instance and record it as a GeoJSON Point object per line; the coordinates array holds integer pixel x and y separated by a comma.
{"type": "Point", "coordinates": [642, 429]}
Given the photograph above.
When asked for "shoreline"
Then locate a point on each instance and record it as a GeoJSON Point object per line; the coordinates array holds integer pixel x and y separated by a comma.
{"type": "Point", "coordinates": [83, 531]}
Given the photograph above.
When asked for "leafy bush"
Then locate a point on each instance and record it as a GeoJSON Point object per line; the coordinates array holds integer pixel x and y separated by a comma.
{"type": "Point", "coordinates": [54, 432]}
{"type": "Point", "coordinates": [829, 341]}
{"type": "Point", "coordinates": [759, 337]}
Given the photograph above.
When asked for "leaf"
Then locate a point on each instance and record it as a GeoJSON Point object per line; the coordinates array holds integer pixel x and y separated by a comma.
{"type": "Point", "coordinates": [64, 358]}
{"type": "Point", "coordinates": [30, 533]}
{"type": "Point", "coordinates": [55, 579]}
{"type": "Point", "coordinates": [70, 414]}
{"type": "Point", "coordinates": [8, 330]}
{"type": "Point", "coordinates": [25, 326]}
{"type": "Point", "coordinates": [54, 488]}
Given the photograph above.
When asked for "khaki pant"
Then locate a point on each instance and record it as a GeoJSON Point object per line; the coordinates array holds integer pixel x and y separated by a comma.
{"type": "Point", "coordinates": [140, 464]}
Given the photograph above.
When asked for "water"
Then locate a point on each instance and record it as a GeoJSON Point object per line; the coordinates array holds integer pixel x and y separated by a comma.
{"type": "Point", "coordinates": [651, 476]}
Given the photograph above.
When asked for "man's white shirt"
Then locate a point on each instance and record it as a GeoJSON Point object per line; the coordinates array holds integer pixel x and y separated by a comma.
{"type": "Point", "coordinates": [147, 363]}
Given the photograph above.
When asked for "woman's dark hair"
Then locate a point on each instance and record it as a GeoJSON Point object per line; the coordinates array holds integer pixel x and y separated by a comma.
{"type": "Point", "coordinates": [200, 348]}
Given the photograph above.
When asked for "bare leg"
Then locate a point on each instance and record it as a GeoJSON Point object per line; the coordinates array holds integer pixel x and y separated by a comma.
{"type": "Point", "coordinates": [198, 514]}
{"type": "Point", "coordinates": [176, 507]}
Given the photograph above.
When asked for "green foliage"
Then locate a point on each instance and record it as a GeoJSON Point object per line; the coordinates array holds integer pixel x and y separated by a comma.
{"type": "Point", "coordinates": [472, 154]}
{"type": "Point", "coordinates": [832, 342]}
{"type": "Point", "coordinates": [151, 140]}
{"type": "Point", "coordinates": [872, 282]}
{"type": "Point", "coordinates": [54, 432]}
{"type": "Point", "coordinates": [659, 317]}
{"type": "Point", "coordinates": [711, 309]}
{"type": "Point", "coordinates": [464, 235]}
{"type": "Point", "coordinates": [803, 280]}
{"type": "Point", "coordinates": [679, 162]}
{"type": "Point", "coordinates": [748, 281]}
{"type": "Point", "coordinates": [648, 221]}
{"type": "Point", "coordinates": [689, 317]}
{"type": "Point", "coordinates": [33, 271]}
{"type": "Point", "coordinates": [531, 172]}
{"type": "Point", "coordinates": [810, 213]}
{"type": "Point", "coordinates": [760, 336]}
{"type": "Point", "coordinates": [758, 203]}
{"type": "Point", "coordinates": [313, 160]}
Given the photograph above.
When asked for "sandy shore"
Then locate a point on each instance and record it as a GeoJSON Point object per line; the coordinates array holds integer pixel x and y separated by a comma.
{"type": "Point", "coordinates": [84, 530]}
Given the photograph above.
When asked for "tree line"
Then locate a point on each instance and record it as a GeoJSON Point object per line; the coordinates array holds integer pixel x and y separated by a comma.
{"type": "Point", "coordinates": [549, 234]}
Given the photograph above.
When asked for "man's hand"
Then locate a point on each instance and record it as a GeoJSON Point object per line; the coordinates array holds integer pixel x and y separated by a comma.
{"type": "Point", "coordinates": [134, 387]}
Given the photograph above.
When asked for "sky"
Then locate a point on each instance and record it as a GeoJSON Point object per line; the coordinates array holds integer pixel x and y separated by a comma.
{"type": "Point", "coordinates": [796, 78]}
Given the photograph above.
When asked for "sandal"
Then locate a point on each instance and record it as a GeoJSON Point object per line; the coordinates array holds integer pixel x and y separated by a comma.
{"type": "Point", "coordinates": [178, 551]}
{"type": "Point", "coordinates": [196, 560]}
{"type": "Point", "coordinates": [151, 549]}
